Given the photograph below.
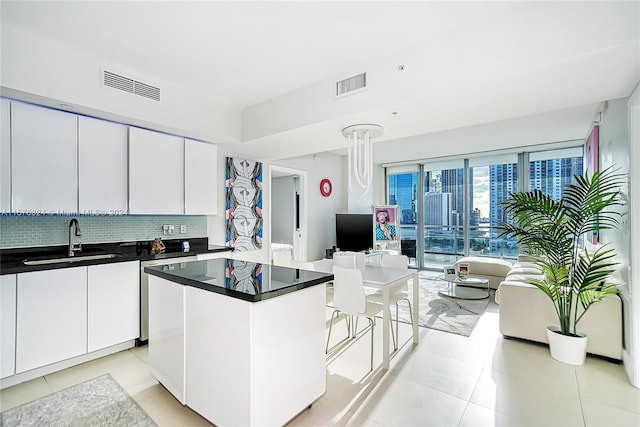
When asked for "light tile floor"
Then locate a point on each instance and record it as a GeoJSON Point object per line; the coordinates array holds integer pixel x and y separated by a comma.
{"type": "Point", "coordinates": [447, 380]}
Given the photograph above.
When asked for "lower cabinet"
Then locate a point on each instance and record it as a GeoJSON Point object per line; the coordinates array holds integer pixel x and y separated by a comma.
{"type": "Point", "coordinates": [167, 335]}
{"type": "Point", "coordinates": [7, 325]}
{"type": "Point", "coordinates": [113, 304]}
{"type": "Point", "coordinates": [51, 317]}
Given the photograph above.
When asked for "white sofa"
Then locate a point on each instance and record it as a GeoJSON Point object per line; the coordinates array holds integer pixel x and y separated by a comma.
{"type": "Point", "coordinates": [525, 312]}
{"type": "Point", "coordinates": [494, 269]}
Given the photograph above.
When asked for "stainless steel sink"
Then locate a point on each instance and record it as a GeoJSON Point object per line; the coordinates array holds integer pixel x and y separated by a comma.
{"type": "Point", "coordinates": [68, 259]}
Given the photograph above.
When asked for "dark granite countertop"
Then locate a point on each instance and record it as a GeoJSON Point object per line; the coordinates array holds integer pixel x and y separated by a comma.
{"type": "Point", "coordinates": [245, 280]}
{"type": "Point", "coordinates": [12, 260]}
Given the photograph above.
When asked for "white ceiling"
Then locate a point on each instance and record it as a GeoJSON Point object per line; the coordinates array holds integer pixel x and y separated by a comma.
{"type": "Point", "coordinates": [466, 63]}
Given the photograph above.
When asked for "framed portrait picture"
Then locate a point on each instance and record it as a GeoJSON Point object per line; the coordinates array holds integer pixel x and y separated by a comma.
{"type": "Point", "coordinates": [463, 270]}
{"type": "Point", "coordinates": [386, 225]}
{"type": "Point", "coordinates": [449, 271]}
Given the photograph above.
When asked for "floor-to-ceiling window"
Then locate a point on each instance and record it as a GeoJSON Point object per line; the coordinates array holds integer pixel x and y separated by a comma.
{"type": "Point", "coordinates": [433, 202]}
{"type": "Point", "coordinates": [402, 190]}
{"type": "Point", "coordinates": [443, 202]}
{"type": "Point", "coordinates": [492, 179]}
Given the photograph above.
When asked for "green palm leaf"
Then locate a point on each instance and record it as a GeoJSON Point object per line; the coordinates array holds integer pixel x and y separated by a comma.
{"type": "Point", "coordinates": [554, 228]}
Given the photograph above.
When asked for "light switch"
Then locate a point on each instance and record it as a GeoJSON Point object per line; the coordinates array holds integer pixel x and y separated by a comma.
{"type": "Point", "coordinates": [183, 228]}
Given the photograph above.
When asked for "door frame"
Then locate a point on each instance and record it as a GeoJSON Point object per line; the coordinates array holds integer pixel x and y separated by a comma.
{"type": "Point", "coordinates": [302, 177]}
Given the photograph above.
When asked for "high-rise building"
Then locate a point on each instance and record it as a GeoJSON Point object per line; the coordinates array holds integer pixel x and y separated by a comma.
{"type": "Point", "coordinates": [437, 209]}
{"type": "Point", "coordinates": [551, 176]}
{"type": "Point", "coordinates": [503, 180]}
{"type": "Point", "coordinates": [450, 181]}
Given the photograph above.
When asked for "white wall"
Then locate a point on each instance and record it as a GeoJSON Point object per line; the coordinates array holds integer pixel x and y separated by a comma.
{"type": "Point", "coordinates": [631, 295]}
{"type": "Point", "coordinates": [614, 152]}
{"type": "Point", "coordinates": [321, 224]}
{"type": "Point", "coordinates": [42, 70]}
{"type": "Point", "coordinates": [282, 209]}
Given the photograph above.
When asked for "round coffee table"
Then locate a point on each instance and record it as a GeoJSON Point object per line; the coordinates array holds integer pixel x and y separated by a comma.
{"type": "Point", "coordinates": [466, 292]}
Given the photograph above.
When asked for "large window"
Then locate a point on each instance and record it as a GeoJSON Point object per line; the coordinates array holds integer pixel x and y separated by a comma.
{"type": "Point", "coordinates": [492, 180]}
{"type": "Point", "coordinates": [450, 209]}
{"type": "Point", "coordinates": [443, 202]}
{"type": "Point", "coordinates": [403, 191]}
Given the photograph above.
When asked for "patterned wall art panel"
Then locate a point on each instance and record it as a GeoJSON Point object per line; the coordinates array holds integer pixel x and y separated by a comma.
{"type": "Point", "coordinates": [243, 276]}
{"type": "Point", "coordinates": [244, 204]}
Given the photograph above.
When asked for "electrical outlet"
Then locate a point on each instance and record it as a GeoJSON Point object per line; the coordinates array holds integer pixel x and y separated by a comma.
{"type": "Point", "coordinates": [165, 229]}
{"type": "Point", "coordinates": [183, 228]}
{"type": "Point", "coordinates": [171, 228]}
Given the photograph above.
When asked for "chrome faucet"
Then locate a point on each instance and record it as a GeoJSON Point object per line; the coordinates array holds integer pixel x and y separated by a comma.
{"type": "Point", "coordinates": [74, 247]}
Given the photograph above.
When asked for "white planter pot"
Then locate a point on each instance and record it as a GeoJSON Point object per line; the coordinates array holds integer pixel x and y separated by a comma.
{"type": "Point", "coordinates": [567, 349]}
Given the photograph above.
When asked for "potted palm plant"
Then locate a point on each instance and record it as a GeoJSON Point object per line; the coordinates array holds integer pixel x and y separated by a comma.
{"type": "Point", "coordinates": [574, 276]}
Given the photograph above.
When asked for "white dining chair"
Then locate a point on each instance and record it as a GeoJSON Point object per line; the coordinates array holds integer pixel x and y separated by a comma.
{"type": "Point", "coordinates": [349, 298]}
{"type": "Point", "coordinates": [344, 260]}
{"type": "Point", "coordinates": [400, 293]}
{"type": "Point", "coordinates": [282, 258]}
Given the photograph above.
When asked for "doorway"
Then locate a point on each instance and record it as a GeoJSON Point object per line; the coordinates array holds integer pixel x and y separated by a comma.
{"type": "Point", "coordinates": [288, 219]}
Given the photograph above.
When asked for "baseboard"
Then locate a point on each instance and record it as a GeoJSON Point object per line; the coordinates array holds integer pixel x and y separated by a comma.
{"type": "Point", "coordinates": [631, 368]}
{"type": "Point", "coordinates": [64, 364]}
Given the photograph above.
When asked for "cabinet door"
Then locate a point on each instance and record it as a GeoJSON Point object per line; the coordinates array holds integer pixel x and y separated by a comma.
{"type": "Point", "coordinates": [8, 325]}
{"type": "Point", "coordinates": [5, 157]}
{"type": "Point", "coordinates": [51, 317]}
{"type": "Point", "coordinates": [43, 159]}
{"type": "Point", "coordinates": [102, 167]}
{"type": "Point", "coordinates": [200, 178]}
{"type": "Point", "coordinates": [114, 304]}
{"type": "Point", "coordinates": [156, 173]}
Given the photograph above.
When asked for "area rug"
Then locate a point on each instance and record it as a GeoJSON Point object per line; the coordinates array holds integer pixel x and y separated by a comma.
{"type": "Point", "coordinates": [442, 313]}
{"type": "Point", "coordinates": [97, 402]}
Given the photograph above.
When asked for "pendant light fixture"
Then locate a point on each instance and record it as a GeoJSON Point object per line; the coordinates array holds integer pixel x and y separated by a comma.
{"type": "Point", "coordinates": [360, 157]}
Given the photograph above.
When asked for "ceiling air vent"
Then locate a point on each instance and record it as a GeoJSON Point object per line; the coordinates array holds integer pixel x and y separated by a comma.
{"type": "Point", "coordinates": [130, 85]}
{"type": "Point", "coordinates": [346, 86]}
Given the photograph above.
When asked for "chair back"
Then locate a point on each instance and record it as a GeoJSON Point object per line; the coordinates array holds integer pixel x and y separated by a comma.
{"type": "Point", "coordinates": [348, 290]}
{"type": "Point", "coordinates": [282, 258]}
{"type": "Point", "coordinates": [344, 261]}
{"type": "Point", "coordinates": [302, 265]}
{"type": "Point", "coordinates": [349, 260]}
{"type": "Point", "coordinates": [395, 261]}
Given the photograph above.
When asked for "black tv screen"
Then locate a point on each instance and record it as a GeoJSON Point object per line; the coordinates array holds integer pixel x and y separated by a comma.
{"type": "Point", "coordinates": [354, 232]}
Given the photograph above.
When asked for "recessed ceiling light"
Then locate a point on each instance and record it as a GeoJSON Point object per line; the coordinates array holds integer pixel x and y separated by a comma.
{"type": "Point", "coordinates": [395, 113]}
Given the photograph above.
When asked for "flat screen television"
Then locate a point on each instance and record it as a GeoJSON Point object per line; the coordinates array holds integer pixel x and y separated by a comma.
{"type": "Point", "coordinates": [354, 232]}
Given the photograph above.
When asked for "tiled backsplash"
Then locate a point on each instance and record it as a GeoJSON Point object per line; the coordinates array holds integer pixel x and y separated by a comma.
{"type": "Point", "coordinates": [27, 231]}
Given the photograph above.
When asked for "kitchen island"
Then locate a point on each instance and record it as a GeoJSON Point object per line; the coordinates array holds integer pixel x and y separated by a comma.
{"type": "Point", "coordinates": [239, 342]}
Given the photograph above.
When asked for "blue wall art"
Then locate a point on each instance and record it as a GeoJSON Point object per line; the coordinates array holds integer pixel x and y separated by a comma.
{"type": "Point", "coordinates": [244, 204]}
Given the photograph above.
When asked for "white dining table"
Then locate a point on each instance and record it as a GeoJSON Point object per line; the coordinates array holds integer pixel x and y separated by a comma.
{"type": "Point", "coordinates": [385, 279]}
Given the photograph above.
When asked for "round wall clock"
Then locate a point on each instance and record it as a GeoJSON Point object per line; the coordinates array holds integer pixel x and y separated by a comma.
{"type": "Point", "coordinates": [325, 187]}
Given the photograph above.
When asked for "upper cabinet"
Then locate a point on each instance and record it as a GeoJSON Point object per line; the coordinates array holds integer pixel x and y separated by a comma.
{"type": "Point", "coordinates": [44, 164]}
{"type": "Point", "coordinates": [102, 167]}
{"type": "Point", "coordinates": [156, 173]}
{"type": "Point", "coordinates": [200, 178]}
{"type": "Point", "coordinates": [5, 157]}
{"type": "Point", "coordinates": [52, 162]}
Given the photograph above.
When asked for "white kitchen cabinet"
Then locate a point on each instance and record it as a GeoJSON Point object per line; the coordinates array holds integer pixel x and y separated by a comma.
{"type": "Point", "coordinates": [8, 325]}
{"type": "Point", "coordinates": [156, 173]}
{"type": "Point", "coordinates": [113, 304]}
{"type": "Point", "coordinates": [200, 178]}
{"type": "Point", "coordinates": [5, 157]}
{"type": "Point", "coordinates": [167, 335]}
{"type": "Point", "coordinates": [51, 317]}
{"type": "Point", "coordinates": [44, 163]}
{"type": "Point", "coordinates": [102, 167]}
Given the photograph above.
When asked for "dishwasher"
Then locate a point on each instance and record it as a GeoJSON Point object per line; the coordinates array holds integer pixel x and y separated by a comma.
{"type": "Point", "coordinates": [144, 292]}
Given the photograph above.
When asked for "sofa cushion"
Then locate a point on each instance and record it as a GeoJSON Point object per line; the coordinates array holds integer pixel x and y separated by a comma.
{"type": "Point", "coordinates": [494, 269]}
{"type": "Point", "coordinates": [486, 265]}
